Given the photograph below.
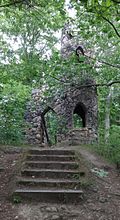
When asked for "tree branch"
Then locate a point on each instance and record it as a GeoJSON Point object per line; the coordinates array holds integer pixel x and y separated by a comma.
{"type": "Point", "coordinates": [60, 80]}
{"type": "Point", "coordinates": [116, 1]}
{"type": "Point", "coordinates": [98, 85]}
{"type": "Point", "coordinates": [113, 82]}
{"type": "Point", "coordinates": [88, 85]}
{"type": "Point", "coordinates": [11, 4]}
{"type": "Point", "coordinates": [106, 63]}
{"type": "Point", "coordinates": [111, 25]}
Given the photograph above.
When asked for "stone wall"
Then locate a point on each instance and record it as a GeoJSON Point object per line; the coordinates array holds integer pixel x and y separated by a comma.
{"type": "Point", "coordinates": [68, 43]}
{"type": "Point", "coordinates": [81, 101]}
{"type": "Point", "coordinates": [65, 106]}
{"type": "Point", "coordinates": [34, 131]}
{"type": "Point", "coordinates": [82, 136]}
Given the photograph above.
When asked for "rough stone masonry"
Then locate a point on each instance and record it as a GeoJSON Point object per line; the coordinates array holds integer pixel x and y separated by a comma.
{"type": "Point", "coordinates": [81, 101]}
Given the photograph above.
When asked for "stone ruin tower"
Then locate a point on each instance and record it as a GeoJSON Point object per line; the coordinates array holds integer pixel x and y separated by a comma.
{"type": "Point", "coordinates": [80, 101]}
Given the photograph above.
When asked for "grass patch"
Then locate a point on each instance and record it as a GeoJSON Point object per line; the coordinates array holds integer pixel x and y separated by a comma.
{"type": "Point", "coordinates": [84, 175]}
{"type": "Point", "coordinates": [109, 151]}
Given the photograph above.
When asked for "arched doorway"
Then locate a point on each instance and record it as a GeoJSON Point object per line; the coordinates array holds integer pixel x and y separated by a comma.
{"type": "Point", "coordinates": [79, 116]}
{"type": "Point", "coordinates": [51, 125]}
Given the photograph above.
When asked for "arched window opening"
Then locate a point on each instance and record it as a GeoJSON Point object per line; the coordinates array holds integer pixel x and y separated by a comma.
{"type": "Point", "coordinates": [79, 116]}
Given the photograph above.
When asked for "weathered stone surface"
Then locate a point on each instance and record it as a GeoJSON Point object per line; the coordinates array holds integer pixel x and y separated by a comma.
{"type": "Point", "coordinates": [84, 103]}
{"type": "Point", "coordinates": [34, 131]}
{"type": "Point", "coordinates": [38, 136]}
{"type": "Point", "coordinates": [80, 101]}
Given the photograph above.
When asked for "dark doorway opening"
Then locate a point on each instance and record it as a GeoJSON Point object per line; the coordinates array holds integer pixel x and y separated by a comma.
{"type": "Point", "coordinates": [51, 125]}
{"type": "Point", "coordinates": [79, 116]}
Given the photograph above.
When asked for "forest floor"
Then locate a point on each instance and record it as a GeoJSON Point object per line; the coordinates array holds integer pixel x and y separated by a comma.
{"type": "Point", "coordinates": [101, 200]}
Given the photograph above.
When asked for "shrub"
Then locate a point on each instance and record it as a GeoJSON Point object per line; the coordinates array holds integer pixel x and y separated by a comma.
{"type": "Point", "coordinates": [13, 99]}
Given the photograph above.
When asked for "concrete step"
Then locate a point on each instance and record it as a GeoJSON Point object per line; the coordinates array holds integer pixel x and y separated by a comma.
{"type": "Point", "coordinates": [52, 164]}
{"type": "Point", "coordinates": [50, 157]}
{"type": "Point", "coordinates": [45, 195]}
{"type": "Point", "coordinates": [38, 151]}
{"type": "Point", "coordinates": [67, 183]}
{"type": "Point", "coordinates": [52, 173]}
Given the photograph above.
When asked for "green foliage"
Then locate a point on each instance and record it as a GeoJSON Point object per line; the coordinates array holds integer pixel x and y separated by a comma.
{"type": "Point", "coordinates": [114, 150]}
{"type": "Point", "coordinates": [17, 199]}
{"type": "Point", "coordinates": [99, 172]}
{"type": "Point", "coordinates": [52, 126]}
{"type": "Point", "coordinates": [29, 58]}
{"type": "Point", "coordinates": [13, 99]}
{"type": "Point", "coordinates": [77, 121]}
{"type": "Point", "coordinates": [110, 150]}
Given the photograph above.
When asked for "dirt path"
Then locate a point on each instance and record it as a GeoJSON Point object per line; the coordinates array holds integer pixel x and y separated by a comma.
{"type": "Point", "coordinates": [101, 200]}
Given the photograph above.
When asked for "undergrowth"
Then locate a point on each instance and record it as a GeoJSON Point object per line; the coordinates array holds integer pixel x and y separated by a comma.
{"type": "Point", "coordinates": [111, 149]}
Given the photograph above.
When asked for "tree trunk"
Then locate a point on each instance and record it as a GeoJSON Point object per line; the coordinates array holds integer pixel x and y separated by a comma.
{"type": "Point", "coordinates": [107, 115]}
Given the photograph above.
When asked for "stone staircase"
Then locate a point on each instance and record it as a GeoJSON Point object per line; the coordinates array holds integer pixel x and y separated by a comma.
{"type": "Point", "coordinates": [50, 175]}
